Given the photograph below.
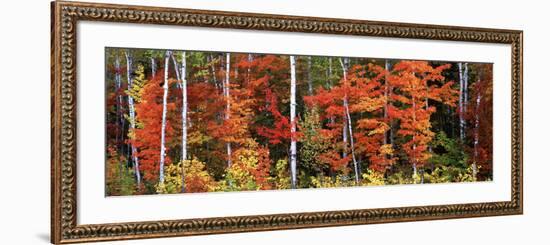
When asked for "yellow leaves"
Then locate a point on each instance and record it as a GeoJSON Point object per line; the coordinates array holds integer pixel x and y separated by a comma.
{"type": "Point", "coordinates": [373, 178]}
{"type": "Point", "coordinates": [386, 149]}
{"type": "Point", "coordinates": [197, 179]}
{"type": "Point", "coordinates": [282, 180]}
{"type": "Point", "coordinates": [135, 91]}
{"type": "Point", "coordinates": [329, 182]}
{"type": "Point", "coordinates": [368, 104]}
{"type": "Point", "coordinates": [197, 138]}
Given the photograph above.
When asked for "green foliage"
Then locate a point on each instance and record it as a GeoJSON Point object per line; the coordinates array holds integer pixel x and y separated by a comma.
{"type": "Point", "coordinates": [197, 60]}
{"type": "Point", "coordinates": [313, 144]}
{"type": "Point", "coordinates": [120, 180]}
{"type": "Point", "coordinates": [400, 178]}
{"type": "Point", "coordinates": [447, 152]}
{"type": "Point", "coordinates": [282, 175]}
{"type": "Point", "coordinates": [339, 180]}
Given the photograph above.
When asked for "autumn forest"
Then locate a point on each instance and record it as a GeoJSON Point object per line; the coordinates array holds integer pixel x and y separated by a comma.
{"type": "Point", "coordinates": [193, 121]}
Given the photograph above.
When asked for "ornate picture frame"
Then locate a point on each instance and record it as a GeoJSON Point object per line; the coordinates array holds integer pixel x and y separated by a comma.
{"type": "Point", "coordinates": [64, 188]}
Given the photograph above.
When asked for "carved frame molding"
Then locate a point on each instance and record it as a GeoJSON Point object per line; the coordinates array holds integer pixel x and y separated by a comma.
{"type": "Point", "coordinates": [65, 15]}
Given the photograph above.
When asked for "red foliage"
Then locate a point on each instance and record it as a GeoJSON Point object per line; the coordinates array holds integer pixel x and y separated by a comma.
{"type": "Point", "coordinates": [482, 112]}
{"type": "Point", "coordinates": [418, 82]}
{"type": "Point", "coordinates": [147, 137]}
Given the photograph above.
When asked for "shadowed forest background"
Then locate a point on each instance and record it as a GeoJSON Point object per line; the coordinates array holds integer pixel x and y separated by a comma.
{"type": "Point", "coordinates": [189, 121]}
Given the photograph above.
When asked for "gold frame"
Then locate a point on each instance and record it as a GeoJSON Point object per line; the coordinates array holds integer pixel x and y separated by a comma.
{"type": "Point", "coordinates": [65, 15]}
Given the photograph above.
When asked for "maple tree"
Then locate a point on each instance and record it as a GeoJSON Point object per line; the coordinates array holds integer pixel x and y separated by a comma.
{"type": "Point", "coordinates": [418, 83]}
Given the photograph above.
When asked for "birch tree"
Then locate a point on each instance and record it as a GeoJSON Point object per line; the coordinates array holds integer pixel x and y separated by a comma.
{"type": "Point", "coordinates": [476, 136]}
{"type": "Point", "coordinates": [163, 126]}
{"type": "Point", "coordinates": [293, 155]}
{"type": "Point", "coordinates": [153, 67]}
{"type": "Point", "coordinates": [226, 88]}
{"type": "Point", "coordinates": [132, 115]}
{"type": "Point", "coordinates": [183, 118]}
{"type": "Point", "coordinates": [309, 79]}
{"type": "Point", "coordinates": [463, 97]}
{"type": "Point", "coordinates": [347, 118]}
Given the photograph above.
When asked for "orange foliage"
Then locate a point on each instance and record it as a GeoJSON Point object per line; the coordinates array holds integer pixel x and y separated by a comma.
{"type": "Point", "coordinates": [147, 136]}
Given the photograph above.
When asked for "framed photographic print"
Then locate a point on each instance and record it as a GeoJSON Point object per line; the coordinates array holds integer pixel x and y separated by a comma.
{"type": "Point", "coordinates": [174, 122]}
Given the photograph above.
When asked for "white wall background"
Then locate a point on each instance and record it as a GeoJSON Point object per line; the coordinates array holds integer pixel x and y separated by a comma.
{"type": "Point", "coordinates": [25, 122]}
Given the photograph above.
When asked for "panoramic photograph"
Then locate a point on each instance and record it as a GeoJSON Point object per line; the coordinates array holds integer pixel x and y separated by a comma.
{"type": "Point", "coordinates": [184, 121]}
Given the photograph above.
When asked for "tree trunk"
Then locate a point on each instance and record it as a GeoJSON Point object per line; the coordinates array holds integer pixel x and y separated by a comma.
{"type": "Point", "coordinates": [414, 136]}
{"type": "Point", "coordinates": [183, 118]}
{"type": "Point", "coordinates": [227, 103]}
{"type": "Point", "coordinates": [348, 123]}
{"type": "Point", "coordinates": [309, 79]}
{"type": "Point", "coordinates": [132, 116]}
{"type": "Point", "coordinates": [153, 67]}
{"type": "Point", "coordinates": [250, 58]}
{"type": "Point", "coordinates": [476, 137]}
{"type": "Point", "coordinates": [386, 103]}
{"type": "Point", "coordinates": [163, 127]}
{"type": "Point", "coordinates": [465, 77]}
{"type": "Point", "coordinates": [213, 71]}
{"type": "Point", "coordinates": [329, 82]}
{"type": "Point", "coordinates": [389, 133]}
{"type": "Point", "coordinates": [351, 140]}
{"type": "Point", "coordinates": [461, 102]}
{"type": "Point", "coordinates": [293, 155]}
{"type": "Point", "coordinates": [176, 69]}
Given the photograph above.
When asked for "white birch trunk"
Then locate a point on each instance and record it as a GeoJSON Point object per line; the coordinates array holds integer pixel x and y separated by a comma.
{"type": "Point", "coordinates": [461, 102]}
{"type": "Point", "coordinates": [465, 77]}
{"type": "Point", "coordinates": [183, 117]}
{"type": "Point", "coordinates": [345, 123]}
{"type": "Point", "coordinates": [351, 140]}
{"type": "Point", "coordinates": [163, 127]}
{"type": "Point", "coordinates": [176, 69]}
{"type": "Point", "coordinates": [213, 72]}
{"type": "Point", "coordinates": [348, 123]}
{"type": "Point", "coordinates": [293, 155]}
{"type": "Point", "coordinates": [153, 67]}
{"type": "Point", "coordinates": [309, 79]}
{"type": "Point", "coordinates": [132, 116]}
{"type": "Point", "coordinates": [250, 58]}
{"type": "Point", "coordinates": [227, 103]}
{"type": "Point", "coordinates": [476, 137]}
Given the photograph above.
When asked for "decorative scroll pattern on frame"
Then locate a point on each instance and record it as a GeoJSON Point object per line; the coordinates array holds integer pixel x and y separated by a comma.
{"type": "Point", "coordinates": [64, 111]}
